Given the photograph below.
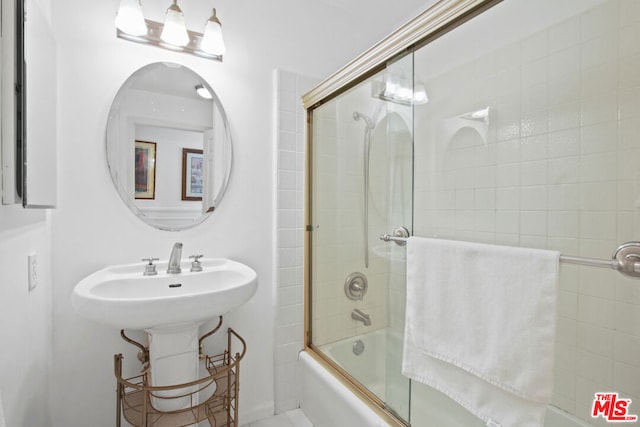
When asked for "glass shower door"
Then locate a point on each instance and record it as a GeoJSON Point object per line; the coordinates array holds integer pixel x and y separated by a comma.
{"type": "Point", "coordinates": [361, 187]}
{"type": "Point", "coordinates": [397, 165]}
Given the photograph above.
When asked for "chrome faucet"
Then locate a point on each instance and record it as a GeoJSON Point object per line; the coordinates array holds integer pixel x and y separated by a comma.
{"type": "Point", "coordinates": [174, 259]}
{"type": "Point", "coordinates": [360, 316]}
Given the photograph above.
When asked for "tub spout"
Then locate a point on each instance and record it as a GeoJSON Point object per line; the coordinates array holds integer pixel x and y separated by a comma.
{"type": "Point", "coordinates": [174, 259]}
{"type": "Point", "coordinates": [360, 316]}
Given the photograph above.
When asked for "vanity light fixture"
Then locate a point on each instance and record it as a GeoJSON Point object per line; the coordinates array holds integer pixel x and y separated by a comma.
{"type": "Point", "coordinates": [175, 30]}
{"type": "Point", "coordinates": [400, 91]}
{"type": "Point", "coordinates": [130, 18]}
{"type": "Point", "coordinates": [212, 42]}
{"type": "Point", "coordinates": [173, 34]}
{"type": "Point", "coordinates": [419, 94]}
{"type": "Point", "coordinates": [203, 92]}
{"type": "Point", "coordinates": [481, 115]}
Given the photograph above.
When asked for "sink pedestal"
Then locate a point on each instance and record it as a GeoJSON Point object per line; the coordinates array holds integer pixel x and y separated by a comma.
{"type": "Point", "coordinates": [174, 359]}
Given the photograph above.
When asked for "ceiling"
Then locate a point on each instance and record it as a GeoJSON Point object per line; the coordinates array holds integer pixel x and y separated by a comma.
{"type": "Point", "coordinates": [397, 12]}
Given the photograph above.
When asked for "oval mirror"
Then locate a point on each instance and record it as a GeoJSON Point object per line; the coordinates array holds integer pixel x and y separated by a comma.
{"type": "Point", "coordinates": [168, 146]}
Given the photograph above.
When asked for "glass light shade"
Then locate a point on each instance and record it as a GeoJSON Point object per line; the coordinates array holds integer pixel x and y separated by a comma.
{"type": "Point", "coordinates": [420, 94]}
{"type": "Point", "coordinates": [203, 92]}
{"type": "Point", "coordinates": [404, 93]}
{"type": "Point", "coordinates": [480, 114]}
{"type": "Point", "coordinates": [175, 30]}
{"type": "Point", "coordinates": [212, 42]}
{"type": "Point", "coordinates": [390, 89]}
{"type": "Point", "coordinates": [130, 19]}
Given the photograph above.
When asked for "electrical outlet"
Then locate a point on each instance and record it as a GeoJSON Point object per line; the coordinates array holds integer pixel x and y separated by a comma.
{"type": "Point", "coordinates": [33, 271]}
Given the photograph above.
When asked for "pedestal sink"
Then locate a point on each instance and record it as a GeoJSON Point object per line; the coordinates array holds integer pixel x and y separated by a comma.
{"type": "Point", "coordinates": [169, 307]}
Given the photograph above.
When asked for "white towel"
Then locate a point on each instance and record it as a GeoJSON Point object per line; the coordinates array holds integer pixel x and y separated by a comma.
{"type": "Point", "coordinates": [480, 326]}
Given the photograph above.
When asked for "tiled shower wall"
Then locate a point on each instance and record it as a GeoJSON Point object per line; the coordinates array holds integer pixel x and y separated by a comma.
{"type": "Point", "coordinates": [557, 166]}
{"type": "Point", "coordinates": [289, 228]}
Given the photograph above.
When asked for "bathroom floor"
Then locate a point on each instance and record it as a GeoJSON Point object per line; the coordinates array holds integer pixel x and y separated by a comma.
{"type": "Point", "coordinates": [295, 418]}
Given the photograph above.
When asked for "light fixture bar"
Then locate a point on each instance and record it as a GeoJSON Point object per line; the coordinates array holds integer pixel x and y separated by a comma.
{"type": "Point", "coordinates": [152, 38]}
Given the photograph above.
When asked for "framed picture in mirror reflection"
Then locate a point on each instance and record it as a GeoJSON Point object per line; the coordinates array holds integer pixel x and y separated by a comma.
{"type": "Point", "coordinates": [145, 170]}
{"type": "Point", "coordinates": [192, 176]}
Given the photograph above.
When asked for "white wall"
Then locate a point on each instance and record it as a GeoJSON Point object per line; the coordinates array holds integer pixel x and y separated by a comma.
{"type": "Point", "coordinates": [25, 317]}
{"type": "Point", "coordinates": [92, 228]}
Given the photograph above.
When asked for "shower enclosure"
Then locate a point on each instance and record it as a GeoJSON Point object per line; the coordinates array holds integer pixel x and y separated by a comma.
{"type": "Point", "coordinates": [514, 123]}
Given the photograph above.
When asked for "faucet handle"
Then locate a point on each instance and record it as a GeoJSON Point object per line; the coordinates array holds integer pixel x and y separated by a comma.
{"type": "Point", "coordinates": [196, 265]}
{"type": "Point", "coordinates": [150, 269]}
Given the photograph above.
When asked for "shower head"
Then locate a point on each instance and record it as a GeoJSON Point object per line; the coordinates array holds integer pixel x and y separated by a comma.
{"type": "Point", "coordinates": [368, 122]}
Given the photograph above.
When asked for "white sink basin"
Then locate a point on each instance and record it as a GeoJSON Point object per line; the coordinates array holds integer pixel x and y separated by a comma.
{"type": "Point", "coordinates": [123, 297]}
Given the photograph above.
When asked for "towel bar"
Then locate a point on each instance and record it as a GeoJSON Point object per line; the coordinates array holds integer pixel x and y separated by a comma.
{"type": "Point", "coordinates": [625, 259]}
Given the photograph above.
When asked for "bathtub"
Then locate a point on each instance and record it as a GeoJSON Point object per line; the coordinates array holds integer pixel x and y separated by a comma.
{"type": "Point", "coordinates": [327, 402]}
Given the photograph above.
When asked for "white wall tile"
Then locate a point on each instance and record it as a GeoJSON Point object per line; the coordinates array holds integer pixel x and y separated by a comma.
{"type": "Point", "coordinates": [598, 50]}
{"type": "Point", "coordinates": [566, 329]}
{"type": "Point", "coordinates": [564, 34]}
{"type": "Point", "coordinates": [564, 116]}
{"type": "Point", "coordinates": [564, 170]}
{"type": "Point", "coordinates": [289, 230]}
{"type": "Point", "coordinates": [629, 12]}
{"type": "Point", "coordinates": [533, 197]}
{"type": "Point", "coordinates": [594, 367]}
{"type": "Point", "coordinates": [600, 20]}
{"type": "Point", "coordinates": [508, 221]}
{"type": "Point", "coordinates": [508, 151]}
{"type": "Point", "coordinates": [533, 223]}
{"type": "Point", "coordinates": [627, 318]}
{"type": "Point", "coordinates": [597, 225]}
{"type": "Point", "coordinates": [596, 311]}
{"type": "Point", "coordinates": [596, 196]}
{"type": "Point", "coordinates": [533, 148]}
{"type": "Point", "coordinates": [564, 143]}
{"type": "Point", "coordinates": [627, 349]}
{"type": "Point", "coordinates": [596, 340]}
{"type": "Point", "coordinates": [600, 136]}
{"type": "Point", "coordinates": [600, 80]}
{"type": "Point", "coordinates": [628, 131]}
{"type": "Point", "coordinates": [564, 223]}
{"type": "Point", "coordinates": [598, 167]}
{"type": "Point", "coordinates": [627, 380]}
{"type": "Point", "coordinates": [564, 197]}
{"type": "Point", "coordinates": [534, 47]}
{"type": "Point", "coordinates": [566, 61]}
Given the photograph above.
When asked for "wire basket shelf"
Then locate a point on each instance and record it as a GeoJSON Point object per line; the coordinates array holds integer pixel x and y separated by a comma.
{"type": "Point", "coordinates": [211, 398]}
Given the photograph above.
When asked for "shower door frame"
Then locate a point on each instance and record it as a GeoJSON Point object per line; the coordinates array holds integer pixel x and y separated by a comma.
{"type": "Point", "coordinates": [429, 25]}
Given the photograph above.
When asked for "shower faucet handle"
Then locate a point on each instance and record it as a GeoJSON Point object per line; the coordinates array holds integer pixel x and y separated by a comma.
{"type": "Point", "coordinates": [355, 286]}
